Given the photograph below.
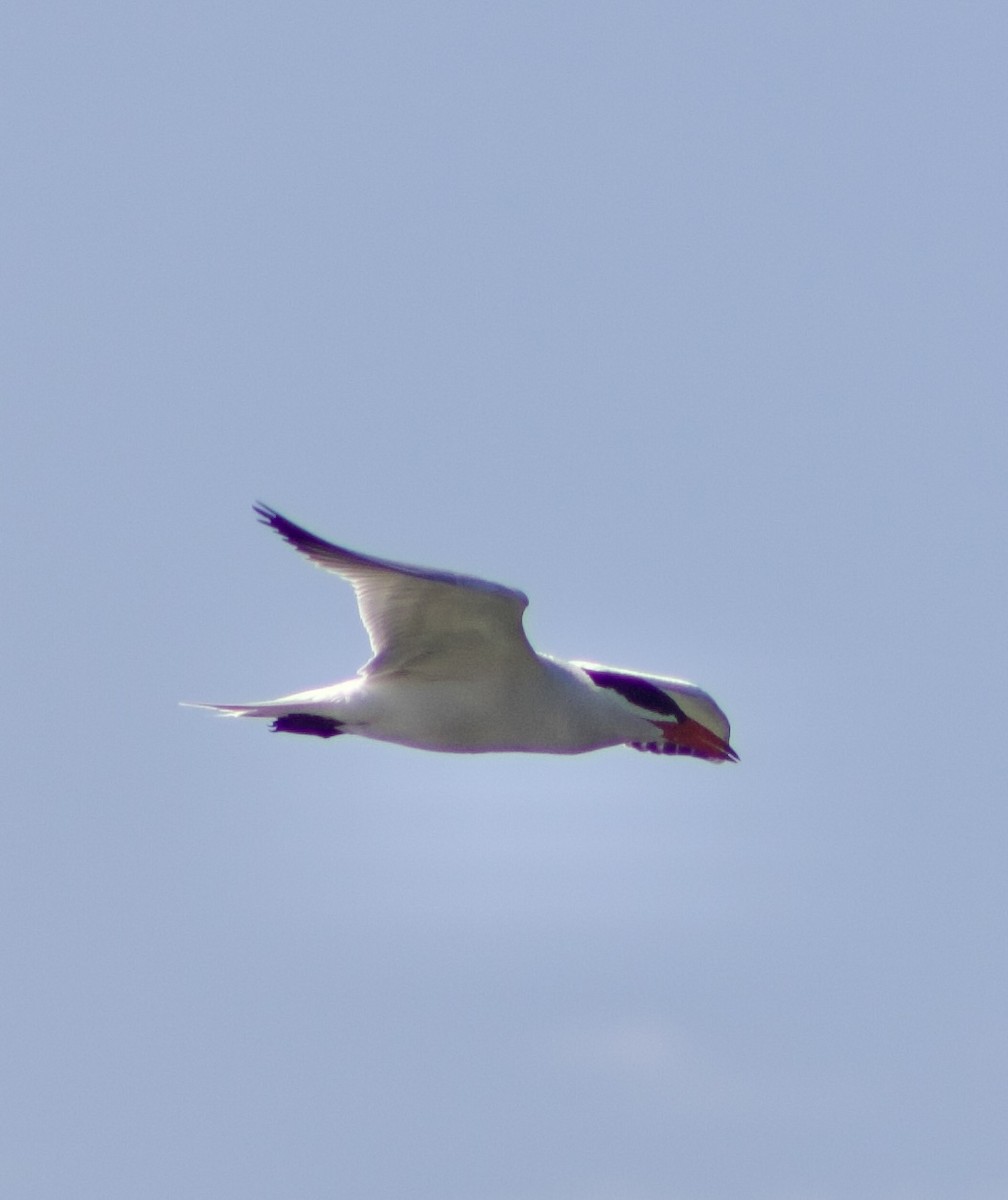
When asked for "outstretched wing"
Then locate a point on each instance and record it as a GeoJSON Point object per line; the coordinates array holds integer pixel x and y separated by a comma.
{"type": "Point", "coordinates": [429, 623]}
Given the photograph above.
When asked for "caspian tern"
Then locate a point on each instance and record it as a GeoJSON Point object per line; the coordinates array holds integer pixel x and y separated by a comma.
{"type": "Point", "coordinates": [452, 670]}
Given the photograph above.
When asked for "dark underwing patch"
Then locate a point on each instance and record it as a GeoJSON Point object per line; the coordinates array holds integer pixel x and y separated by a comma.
{"type": "Point", "coordinates": [310, 723]}
{"type": "Point", "coordinates": [638, 691]}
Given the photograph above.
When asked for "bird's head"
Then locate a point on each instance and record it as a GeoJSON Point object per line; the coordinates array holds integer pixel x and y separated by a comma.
{"type": "Point", "coordinates": [686, 719]}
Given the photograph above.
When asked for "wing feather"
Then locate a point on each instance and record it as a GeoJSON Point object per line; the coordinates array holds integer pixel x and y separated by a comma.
{"type": "Point", "coordinates": [430, 623]}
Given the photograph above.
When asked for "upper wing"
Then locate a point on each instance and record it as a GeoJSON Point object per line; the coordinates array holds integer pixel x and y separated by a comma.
{"type": "Point", "coordinates": [430, 623]}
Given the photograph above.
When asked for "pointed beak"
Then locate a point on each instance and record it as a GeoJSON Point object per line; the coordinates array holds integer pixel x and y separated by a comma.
{"type": "Point", "coordinates": [690, 737]}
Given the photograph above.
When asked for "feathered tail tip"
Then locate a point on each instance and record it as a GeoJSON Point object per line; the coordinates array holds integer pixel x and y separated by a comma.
{"type": "Point", "coordinates": [285, 718]}
{"type": "Point", "coordinates": [228, 710]}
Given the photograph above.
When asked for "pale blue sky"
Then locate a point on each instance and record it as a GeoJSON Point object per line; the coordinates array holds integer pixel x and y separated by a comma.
{"type": "Point", "coordinates": [689, 321]}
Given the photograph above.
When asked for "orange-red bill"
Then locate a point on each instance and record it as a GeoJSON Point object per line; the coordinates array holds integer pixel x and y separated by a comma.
{"type": "Point", "coordinates": [690, 737]}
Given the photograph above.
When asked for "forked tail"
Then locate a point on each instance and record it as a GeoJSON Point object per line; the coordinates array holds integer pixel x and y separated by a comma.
{"type": "Point", "coordinates": [286, 718]}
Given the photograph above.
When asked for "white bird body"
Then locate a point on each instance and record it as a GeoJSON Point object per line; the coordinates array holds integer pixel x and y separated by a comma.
{"type": "Point", "coordinates": [453, 671]}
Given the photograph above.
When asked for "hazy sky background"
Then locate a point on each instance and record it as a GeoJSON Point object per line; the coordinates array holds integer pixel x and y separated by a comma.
{"type": "Point", "coordinates": [689, 320]}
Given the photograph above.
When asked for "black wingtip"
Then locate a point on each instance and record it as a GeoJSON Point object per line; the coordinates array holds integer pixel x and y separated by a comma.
{"type": "Point", "coordinates": [287, 529]}
{"type": "Point", "coordinates": [265, 514]}
{"type": "Point", "coordinates": [308, 723]}
{"type": "Point", "coordinates": [295, 535]}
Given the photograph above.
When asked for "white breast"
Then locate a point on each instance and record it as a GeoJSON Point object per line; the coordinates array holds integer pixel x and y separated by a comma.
{"type": "Point", "coordinates": [547, 707]}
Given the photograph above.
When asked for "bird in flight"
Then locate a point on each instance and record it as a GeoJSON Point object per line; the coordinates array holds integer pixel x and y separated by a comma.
{"type": "Point", "coordinates": [452, 670]}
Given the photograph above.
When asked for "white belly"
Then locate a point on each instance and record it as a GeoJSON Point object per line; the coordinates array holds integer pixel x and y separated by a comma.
{"type": "Point", "coordinates": [550, 709]}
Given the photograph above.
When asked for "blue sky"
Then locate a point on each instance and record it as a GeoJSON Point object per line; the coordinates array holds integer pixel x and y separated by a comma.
{"type": "Point", "coordinates": [689, 321]}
